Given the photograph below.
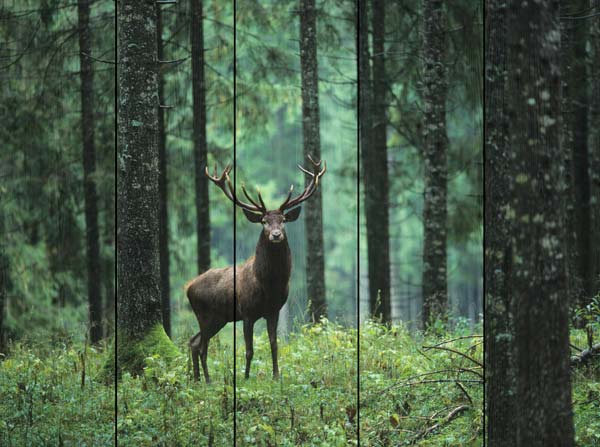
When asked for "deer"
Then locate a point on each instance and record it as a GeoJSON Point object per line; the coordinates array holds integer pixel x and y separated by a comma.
{"type": "Point", "coordinates": [262, 282]}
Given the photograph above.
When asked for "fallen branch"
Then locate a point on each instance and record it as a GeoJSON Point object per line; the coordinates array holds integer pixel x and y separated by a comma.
{"type": "Point", "coordinates": [575, 347]}
{"type": "Point", "coordinates": [408, 381]}
{"type": "Point", "coordinates": [452, 415]}
{"type": "Point", "coordinates": [464, 390]}
{"type": "Point", "coordinates": [585, 356]}
{"type": "Point", "coordinates": [441, 348]}
{"type": "Point", "coordinates": [458, 338]}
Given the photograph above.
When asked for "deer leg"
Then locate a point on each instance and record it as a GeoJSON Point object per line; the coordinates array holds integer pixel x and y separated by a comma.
{"type": "Point", "coordinates": [206, 333]}
{"type": "Point", "coordinates": [248, 338]}
{"type": "Point", "coordinates": [203, 354]}
{"type": "Point", "coordinates": [195, 348]}
{"type": "Point", "coordinates": [272, 330]}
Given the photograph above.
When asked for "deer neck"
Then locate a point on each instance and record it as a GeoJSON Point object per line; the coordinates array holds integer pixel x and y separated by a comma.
{"type": "Point", "coordinates": [273, 262]}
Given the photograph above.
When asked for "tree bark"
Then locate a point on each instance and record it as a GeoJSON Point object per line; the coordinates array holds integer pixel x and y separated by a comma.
{"type": "Point", "coordinates": [313, 213]}
{"type": "Point", "coordinates": [434, 282]}
{"type": "Point", "coordinates": [89, 168]}
{"type": "Point", "coordinates": [378, 234]}
{"type": "Point", "coordinates": [108, 266]}
{"type": "Point", "coordinates": [374, 161]}
{"type": "Point", "coordinates": [576, 122]}
{"type": "Point", "coordinates": [163, 216]}
{"type": "Point", "coordinates": [4, 283]}
{"type": "Point", "coordinates": [200, 147]}
{"type": "Point", "coordinates": [140, 331]}
{"type": "Point", "coordinates": [499, 329]}
{"type": "Point", "coordinates": [365, 141]}
{"type": "Point", "coordinates": [538, 279]}
{"type": "Point", "coordinates": [594, 75]}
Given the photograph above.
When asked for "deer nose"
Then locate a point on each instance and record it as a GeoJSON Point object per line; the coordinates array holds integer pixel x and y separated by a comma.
{"type": "Point", "coordinates": [276, 234]}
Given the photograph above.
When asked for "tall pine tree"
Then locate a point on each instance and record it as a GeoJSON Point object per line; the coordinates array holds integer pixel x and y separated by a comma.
{"type": "Point", "coordinates": [140, 329]}
{"type": "Point", "coordinates": [89, 169]}
{"type": "Point", "coordinates": [499, 331]}
{"type": "Point", "coordinates": [434, 281]}
{"type": "Point", "coordinates": [311, 136]}
{"type": "Point", "coordinates": [538, 282]}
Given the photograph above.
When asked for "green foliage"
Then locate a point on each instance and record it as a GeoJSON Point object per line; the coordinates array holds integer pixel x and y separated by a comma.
{"type": "Point", "coordinates": [314, 403]}
{"type": "Point", "coordinates": [317, 389]}
{"type": "Point", "coordinates": [590, 318]}
{"type": "Point", "coordinates": [48, 396]}
{"type": "Point", "coordinates": [586, 394]}
{"type": "Point", "coordinates": [407, 388]}
{"type": "Point", "coordinates": [315, 400]}
{"type": "Point", "coordinates": [42, 225]}
{"type": "Point", "coordinates": [165, 407]}
{"type": "Point", "coordinates": [133, 352]}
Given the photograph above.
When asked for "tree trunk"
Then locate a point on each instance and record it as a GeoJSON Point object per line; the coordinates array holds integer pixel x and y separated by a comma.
{"type": "Point", "coordinates": [499, 330]}
{"type": "Point", "coordinates": [378, 231]}
{"type": "Point", "coordinates": [365, 140]}
{"type": "Point", "coordinates": [108, 267]}
{"type": "Point", "coordinates": [434, 283]}
{"type": "Point", "coordinates": [595, 143]}
{"type": "Point", "coordinates": [372, 142]}
{"type": "Point", "coordinates": [3, 293]}
{"type": "Point", "coordinates": [538, 279]}
{"type": "Point", "coordinates": [200, 148]}
{"type": "Point", "coordinates": [576, 97]}
{"type": "Point", "coordinates": [313, 212]}
{"type": "Point", "coordinates": [4, 283]}
{"type": "Point", "coordinates": [163, 216]}
{"type": "Point", "coordinates": [89, 168]}
{"type": "Point", "coordinates": [140, 330]}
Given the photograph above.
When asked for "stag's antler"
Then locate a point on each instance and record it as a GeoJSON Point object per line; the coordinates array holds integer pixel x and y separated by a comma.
{"type": "Point", "coordinates": [224, 183]}
{"type": "Point", "coordinates": [316, 175]}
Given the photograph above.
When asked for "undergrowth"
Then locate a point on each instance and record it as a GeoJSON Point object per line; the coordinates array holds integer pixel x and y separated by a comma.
{"type": "Point", "coordinates": [414, 390]}
{"type": "Point", "coordinates": [586, 394]}
{"type": "Point", "coordinates": [48, 396]}
{"type": "Point", "coordinates": [420, 390]}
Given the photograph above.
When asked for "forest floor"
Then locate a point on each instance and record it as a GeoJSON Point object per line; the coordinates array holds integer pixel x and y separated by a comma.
{"type": "Point", "coordinates": [48, 396]}
{"type": "Point", "coordinates": [586, 395]}
{"type": "Point", "coordinates": [414, 390]}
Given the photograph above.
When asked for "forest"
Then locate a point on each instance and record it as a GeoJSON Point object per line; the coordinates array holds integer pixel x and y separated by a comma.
{"type": "Point", "coordinates": [419, 185]}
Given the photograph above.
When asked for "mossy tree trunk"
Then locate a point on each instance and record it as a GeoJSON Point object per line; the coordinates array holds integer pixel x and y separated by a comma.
{"type": "Point", "coordinates": [434, 281]}
{"type": "Point", "coordinates": [138, 275]}
{"type": "Point", "coordinates": [311, 137]}
{"type": "Point", "coordinates": [499, 330]}
{"type": "Point", "coordinates": [200, 145]}
{"type": "Point", "coordinates": [538, 280]}
{"type": "Point", "coordinates": [94, 282]}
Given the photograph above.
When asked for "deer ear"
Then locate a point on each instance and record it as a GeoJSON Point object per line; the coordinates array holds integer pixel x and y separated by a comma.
{"type": "Point", "coordinates": [252, 217]}
{"type": "Point", "coordinates": [293, 214]}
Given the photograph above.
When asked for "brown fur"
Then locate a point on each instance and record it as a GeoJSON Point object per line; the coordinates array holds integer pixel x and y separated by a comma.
{"type": "Point", "coordinates": [262, 285]}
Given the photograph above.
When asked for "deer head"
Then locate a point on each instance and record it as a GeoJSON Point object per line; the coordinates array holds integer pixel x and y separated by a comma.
{"type": "Point", "coordinates": [273, 221]}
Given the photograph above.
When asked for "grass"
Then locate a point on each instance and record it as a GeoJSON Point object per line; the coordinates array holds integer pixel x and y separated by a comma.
{"type": "Point", "coordinates": [586, 395]}
{"type": "Point", "coordinates": [48, 397]}
{"type": "Point", "coordinates": [414, 395]}
{"type": "Point", "coordinates": [315, 401]}
{"type": "Point", "coordinates": [409, 394]}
